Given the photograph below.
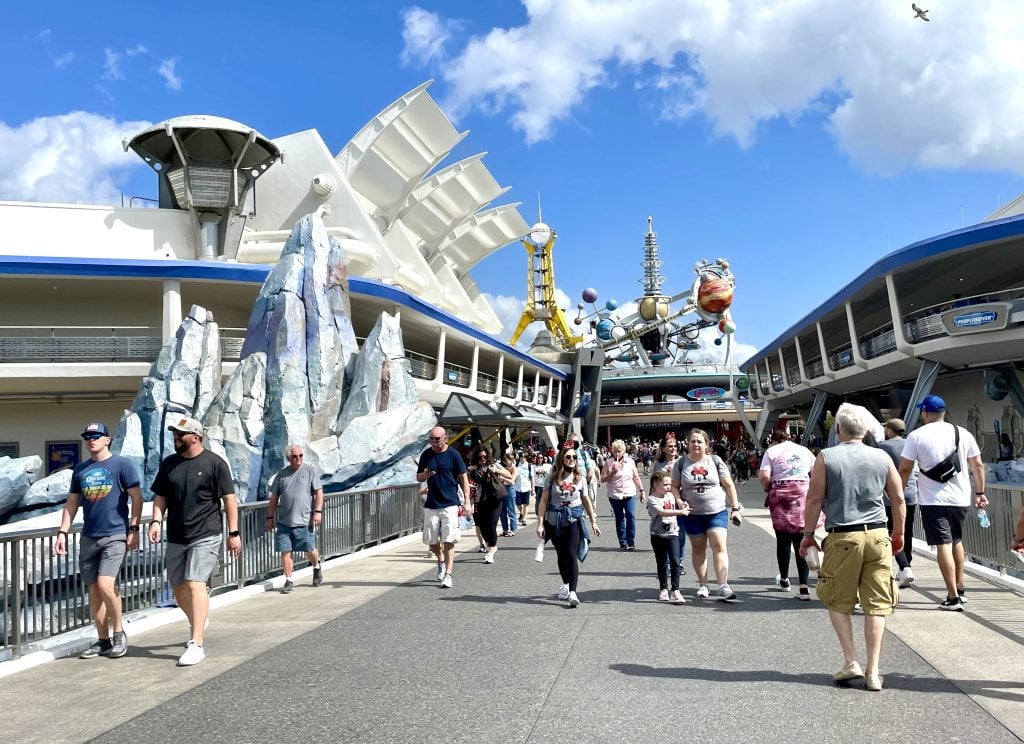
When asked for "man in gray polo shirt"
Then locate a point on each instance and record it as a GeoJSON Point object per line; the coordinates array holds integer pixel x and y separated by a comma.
{"type": "Point", "coordinates": [296, 508]}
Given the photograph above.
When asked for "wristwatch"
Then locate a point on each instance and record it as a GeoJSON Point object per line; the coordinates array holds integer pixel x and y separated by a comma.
{"type": "Point", "coordinates": [234, 533]}
{"type": "Point", "coordinates": [133, 528]}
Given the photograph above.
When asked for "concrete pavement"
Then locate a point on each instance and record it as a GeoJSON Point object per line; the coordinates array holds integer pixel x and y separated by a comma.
{"type": "Point", "coordinates": [380, 653]}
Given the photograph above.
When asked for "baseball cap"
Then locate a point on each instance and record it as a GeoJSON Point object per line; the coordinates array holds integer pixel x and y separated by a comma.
{"type": "Point", "coordinates": [187, 426]}
{"type": "Point", "coordinates": [100, 429]}
{"type": "Point", "coordinates": [897, 425]}
{"type": "Point", "coordinates": [932, 404]}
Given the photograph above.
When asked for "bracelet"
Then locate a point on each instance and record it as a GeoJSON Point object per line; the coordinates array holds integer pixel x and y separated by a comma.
{"type": "Point", "coordinates": [62, 532]}
{"type": "Point", "coordinates": [318, 511]}
{"type": "Point", "coordinates": [979, 493]}
{"type": "Point", "coordinates": [234, 533]}
{"type": "Point", "coordinates": [158, 522]}
{"type": "Point", "coordinates": [808, 534]}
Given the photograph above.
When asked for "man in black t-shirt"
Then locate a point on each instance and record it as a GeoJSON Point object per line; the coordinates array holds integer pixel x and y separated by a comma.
{"type": "Point", "coordinates": [190, 487]}
{"type": "Point", "coordinates": [444, 471]}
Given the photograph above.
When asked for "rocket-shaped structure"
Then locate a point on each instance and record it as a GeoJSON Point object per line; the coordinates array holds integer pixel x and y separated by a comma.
{"type": "Point", "coordinates": [653, 304]}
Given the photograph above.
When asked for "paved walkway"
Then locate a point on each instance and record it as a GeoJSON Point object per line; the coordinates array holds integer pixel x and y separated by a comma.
{"type": "Point", "coordinates": [379, 653]}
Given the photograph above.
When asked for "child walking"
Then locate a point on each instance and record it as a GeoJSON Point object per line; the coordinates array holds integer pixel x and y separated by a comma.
{"type": "Point", "coordinates": [661, 505]}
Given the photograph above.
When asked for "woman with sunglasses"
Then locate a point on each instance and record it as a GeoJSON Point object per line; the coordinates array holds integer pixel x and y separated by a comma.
{"type": "Point", "coordinates": [489, 478]}
{"type": "Point", "coordinates": [560, 519]}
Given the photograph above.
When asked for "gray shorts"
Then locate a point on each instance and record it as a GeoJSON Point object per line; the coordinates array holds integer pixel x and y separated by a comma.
{"type": "Point", "coordinates": [194, 561]}
{"type": "Point", "coordinates": [101, 556]}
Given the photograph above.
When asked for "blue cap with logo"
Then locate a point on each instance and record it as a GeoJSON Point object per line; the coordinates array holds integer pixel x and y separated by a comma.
{"type": "Point", "coordinates": [100, 429]}
{"type": "Point", "coordinates": [932, 404]}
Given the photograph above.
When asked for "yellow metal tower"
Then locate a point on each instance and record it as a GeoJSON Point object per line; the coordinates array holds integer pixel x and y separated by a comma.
{"type": "Point", "coordinates": [540, 289]}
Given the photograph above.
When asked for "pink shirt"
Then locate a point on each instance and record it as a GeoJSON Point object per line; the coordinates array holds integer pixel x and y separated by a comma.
{"type": "Point", "coordinates": [621, 485]}
{"type": "Point", "coordinates": [787, 461]}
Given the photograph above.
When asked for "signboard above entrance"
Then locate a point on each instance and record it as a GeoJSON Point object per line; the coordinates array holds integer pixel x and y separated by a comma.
{"type": "Point", "coordinates": [705, 393]}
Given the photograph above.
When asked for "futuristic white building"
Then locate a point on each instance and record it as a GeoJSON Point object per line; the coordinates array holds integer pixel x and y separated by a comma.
{"type": "Point", "coordinates": [88, 294]}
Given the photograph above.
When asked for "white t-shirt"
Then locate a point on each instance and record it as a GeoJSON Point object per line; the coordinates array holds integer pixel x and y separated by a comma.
{"type": "Point", "coordinates": [930, 445]}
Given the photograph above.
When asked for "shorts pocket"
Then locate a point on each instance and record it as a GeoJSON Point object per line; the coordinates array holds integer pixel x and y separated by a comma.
{"type": "Point", "coordinates": [824, 589]}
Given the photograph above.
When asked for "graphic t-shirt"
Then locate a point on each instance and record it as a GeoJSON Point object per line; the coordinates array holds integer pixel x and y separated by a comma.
{"type": "Point", "coordinates": [700, 483]}
{"type": "Point", "coordinates": [787, 461]}
{"type": "Point", "coordinates": [193, 488]}
{"type": "Point", "coordinates": [662, 526]}
{"type": "Point", "coordinates": [103, 487]}
{"type": "Point", "coordinates": [565, 493]}
{"type": "Point", "coordinates": [443, 485]}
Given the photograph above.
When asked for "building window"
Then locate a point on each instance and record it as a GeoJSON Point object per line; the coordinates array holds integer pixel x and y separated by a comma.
{"type": "Point", "coordinates": [9, 449]}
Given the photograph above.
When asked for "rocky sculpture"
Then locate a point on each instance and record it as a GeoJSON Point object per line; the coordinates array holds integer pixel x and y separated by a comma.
{"type": "Point", "coordinates": [16, 475]}
{"type": "Point", "coordinates": [301, 379]}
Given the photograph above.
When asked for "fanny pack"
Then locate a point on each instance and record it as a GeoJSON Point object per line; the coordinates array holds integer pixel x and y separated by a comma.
{"type": "Point", "coordinates": [946, 469]}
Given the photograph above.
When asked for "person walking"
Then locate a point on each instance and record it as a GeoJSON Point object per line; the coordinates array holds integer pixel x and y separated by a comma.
{"type": "Point", "coordinates": [104, 486]}
{"type": "Point", "coordinates": [944, 489]}
{"type": "Point", "coordinates": [563, 503]}
{"type": "Point", "coordinates": [294, 512]}
{"type": "Point", "coordinates": [702, 480]}
{"type": "Point", "coordinates": [190, 488]}
{"type": "Point", "coordinates": [524, 487]}
{"type": "Point", "coordinates": [661, 506]}
{"type": "Point", "coordinates": [784, 475]}
{"type": "Point", "coordinates": [893, 445]}
{"type": "Point", "coordinates": [664, 461]}
{"type": "Point", "coordinates": [489, 479]}
{"type": "Point", "coordinates": [508, 507]}
{"type": "Point", "coordinates": [444, 472]}
{"type": "Point", "coordinates": [847, 481]}
{"type": "Point", "coordinates": [623, 485]}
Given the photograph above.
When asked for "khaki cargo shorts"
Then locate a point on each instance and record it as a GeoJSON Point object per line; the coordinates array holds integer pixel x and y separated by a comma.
{"type": "Point", "coordinates": [856, 567]}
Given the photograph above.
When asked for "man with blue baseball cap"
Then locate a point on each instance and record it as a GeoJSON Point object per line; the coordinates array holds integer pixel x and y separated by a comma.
{"type": "Point", "coordinates": [944, 489]}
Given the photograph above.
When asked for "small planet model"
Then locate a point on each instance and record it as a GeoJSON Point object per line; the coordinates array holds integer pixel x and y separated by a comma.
{"type": "Point", "coordinates": [611, 305]}
{"type": "Point", "coordinates": [725, 325]}
{"type": "Point", "coordinates": [590, 294]}
{"type": "Point", "coordinates": [604, 329]}
{"type": "Point", "coordinates": [714, 295]}
{"type": "Point", "coordinates": [652, 308]}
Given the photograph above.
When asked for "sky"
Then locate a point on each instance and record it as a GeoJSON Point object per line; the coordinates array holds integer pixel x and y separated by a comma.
{"type": "Point", "coordinates": [802, 140]}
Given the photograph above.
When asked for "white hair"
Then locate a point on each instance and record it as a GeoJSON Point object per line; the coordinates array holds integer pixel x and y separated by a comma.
{"type": "Point", "coordinates": [855, 421]}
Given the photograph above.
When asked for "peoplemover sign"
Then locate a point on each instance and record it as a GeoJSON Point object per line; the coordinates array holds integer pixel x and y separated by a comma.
{"type": "Point", "coordinates": [705, 393]}
{"type": "Point", "coordinates": [974, 320]}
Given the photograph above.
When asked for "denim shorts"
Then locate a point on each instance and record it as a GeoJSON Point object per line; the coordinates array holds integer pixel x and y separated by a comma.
{"type": "Point", "coordinates": [294, 539]}
{"type": "Point", "coordinates": [699, 524]}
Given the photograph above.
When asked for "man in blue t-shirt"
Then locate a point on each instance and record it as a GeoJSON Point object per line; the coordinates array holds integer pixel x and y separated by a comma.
{"type": "Point", "coordinates": [103, 486]}
{"type": "Point", "coordinates": [444, 471]}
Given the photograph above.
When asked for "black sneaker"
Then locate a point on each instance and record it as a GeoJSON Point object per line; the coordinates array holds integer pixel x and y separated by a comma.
{"type": "Point", "coordinates": [287, 588]}
{"type": "Point", "coordinates": [962, 594]}
{"type": "Point", "coordinates": [318, 577]}
{"type": "Point", "coordinates": [102, 647]}
{"type": "Point", "coordinates": [119, 645]}
{"type": "Point", "coordinates": [952, 604]}
{"type": "Point", "coordinates": [631, 548]}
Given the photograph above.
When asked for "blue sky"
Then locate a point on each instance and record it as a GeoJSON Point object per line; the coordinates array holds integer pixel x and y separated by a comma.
{"type": "Point", "coordinates": [801, 140]}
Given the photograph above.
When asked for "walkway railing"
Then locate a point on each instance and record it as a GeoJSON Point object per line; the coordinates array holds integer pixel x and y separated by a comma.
{"type": "Point", "coordinates": [615, 409]}
{"type": "Point", "coordinates": [991, 545]}
{"type": "Point", "coordinates": [42, 594]}
{"type": "Point", "coordinates": [96, 343]}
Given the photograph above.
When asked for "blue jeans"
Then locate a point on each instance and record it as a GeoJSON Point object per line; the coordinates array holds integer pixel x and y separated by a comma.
{"type": "Point", "coordinates": [625, 520]}
{"type": "Point", "coordinates": [509, 518]}
{"type": "Point", "coordinates": [680, 520]}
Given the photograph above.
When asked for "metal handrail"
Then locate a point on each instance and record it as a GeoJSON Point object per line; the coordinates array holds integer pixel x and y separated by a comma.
{"type": "Point", "coordinates": [42, 594]}
{"type": "Point", "coordinates": [614, 409]}
{"type": "Point", "coordinates": [96, 343]}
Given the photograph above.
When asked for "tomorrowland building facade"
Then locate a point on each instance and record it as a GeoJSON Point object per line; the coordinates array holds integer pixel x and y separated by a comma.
{"type": "Point", "coordinates": [90, 294]}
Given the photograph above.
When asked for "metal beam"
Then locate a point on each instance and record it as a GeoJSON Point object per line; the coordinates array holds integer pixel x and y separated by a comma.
{"type": "Point", "coordinates": [813, 426]}
{"type": "Point", "coordinates": [926, 377]}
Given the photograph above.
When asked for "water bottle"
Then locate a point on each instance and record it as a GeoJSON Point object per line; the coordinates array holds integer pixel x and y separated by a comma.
{"type": "Point", "coordinates": [813, 558]}
{"type": "Point", "coordinates": [983, 521]}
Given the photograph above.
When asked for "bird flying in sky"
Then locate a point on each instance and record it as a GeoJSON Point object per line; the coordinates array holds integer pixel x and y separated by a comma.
{"type": "Point", "coordinates": [918, 13]}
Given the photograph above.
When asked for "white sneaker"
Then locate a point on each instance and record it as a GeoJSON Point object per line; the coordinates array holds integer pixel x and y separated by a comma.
{"type": "Point", "coordinates": [489, 558]}
{"type": "Point", "coordinates": [678, 598]}
{"type": "Point", "coordinates": [726, 594]}
{"type": "Point", "coordinates": [440, 572]}
{"type": "Point", "coordinates": [538, 554]}
{"type": "Point", "coordinates": [782, 587]}
{"type": "Point", "coordinates": [193, 654]}
{"type": "Point", "coordinates": [907, 578]}
{"type": "Point", "coordinates": [574, 601]}
{"type": "Point", "coordinates": [663, 595]}
{"type": "Point", "coordinates": [446, 582]}
{"type": "Point", "coordinates": [703, 592]}
{"type": "Point", "coordinates": [563, 592]}
{"type": "Point", "coordinates": [205, 626]}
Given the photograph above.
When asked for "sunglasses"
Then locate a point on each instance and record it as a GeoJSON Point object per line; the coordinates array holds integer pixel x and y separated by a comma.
{"type": "Point", "coordinates": [93, 437]}
{"type": "Point", "coordinates": [569, 457]}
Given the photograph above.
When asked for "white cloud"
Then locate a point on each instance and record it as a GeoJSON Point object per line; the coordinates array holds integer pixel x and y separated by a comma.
{"type": "Point", "coordinates": [62, 60]}
{"type": "Point", "coordinates": [425, 36]}
{"type": "Point", "coordinates": [112, 65]}
{"type": "Point", "coordinates": [894, 91]}
{"type": "Point", "coordinates": [73, 157]}
{"type": "Point", "coordinates": [166, 71]}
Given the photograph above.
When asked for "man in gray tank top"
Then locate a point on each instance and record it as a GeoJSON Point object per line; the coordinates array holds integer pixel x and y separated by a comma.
{"type": "Point", "coordinates": [850, 481]}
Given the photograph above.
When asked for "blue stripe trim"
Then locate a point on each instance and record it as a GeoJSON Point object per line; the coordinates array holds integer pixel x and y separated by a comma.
{"type": "Point", "coordinates": [939, 246]}
{"type": "Point", "coordinates": [248, 273]}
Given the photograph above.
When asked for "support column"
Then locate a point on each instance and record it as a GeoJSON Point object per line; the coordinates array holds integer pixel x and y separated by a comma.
{"type": "Point", "coordinates": [474, 367]}
{"type": "Point", "coordinates": [858, 360]}
{"type": "Point", "coordinates": [902, 343]}
{"type": "Point", "coordinates": [499, 391]}
{"type": "Point", "coordinates": [171, 309]}
{"type": "Point", "coordinates": [439, 372]}
{"type": "Point", "coordinates": [536, 386]}
{"type": "Point", "coordinates": [519, 383]}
